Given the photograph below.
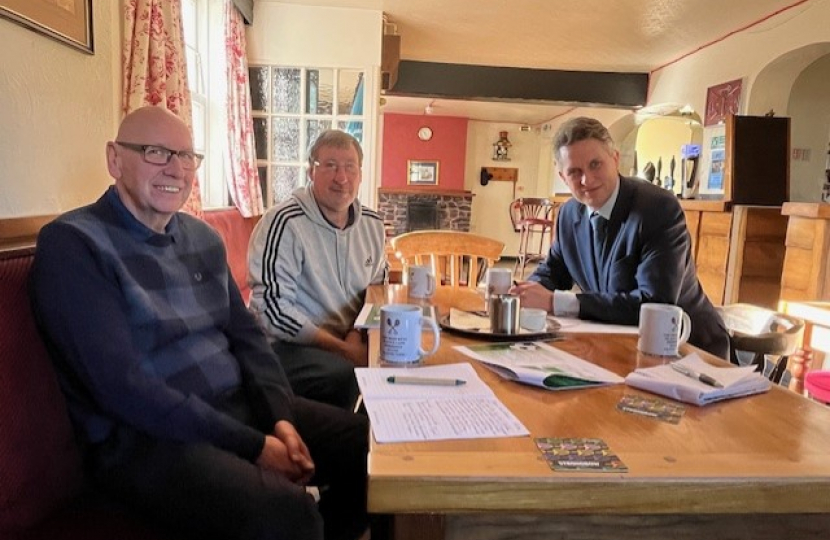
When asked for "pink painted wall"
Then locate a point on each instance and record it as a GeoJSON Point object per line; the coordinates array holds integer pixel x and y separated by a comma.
{"type": "Point", "coordinates": [448, 147]}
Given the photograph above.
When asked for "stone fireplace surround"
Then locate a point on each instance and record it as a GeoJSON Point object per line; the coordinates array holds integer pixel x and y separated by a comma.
{"type": "Point", "coordinates": [454, 207]}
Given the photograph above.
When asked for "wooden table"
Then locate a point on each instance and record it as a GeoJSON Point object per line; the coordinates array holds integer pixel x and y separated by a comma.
{"type": "Point", "coordinates": [733, 469]}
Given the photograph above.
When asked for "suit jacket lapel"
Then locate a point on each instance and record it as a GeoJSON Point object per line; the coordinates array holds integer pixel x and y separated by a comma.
{"type": "Point", "coordinates": [585, 239]}
{"type": "Point", "coordinates": [621, 209]}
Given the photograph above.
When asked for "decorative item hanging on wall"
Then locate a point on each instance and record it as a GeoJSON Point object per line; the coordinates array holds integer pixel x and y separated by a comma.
{"type": "Point", "coordinates": [501, 147]}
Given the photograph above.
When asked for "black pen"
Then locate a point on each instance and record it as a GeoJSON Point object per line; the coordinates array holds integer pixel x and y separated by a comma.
{"type": "Point", "coordinates": [702, 377]}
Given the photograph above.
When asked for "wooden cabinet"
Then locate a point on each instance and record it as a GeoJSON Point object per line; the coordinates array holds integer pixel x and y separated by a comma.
{"type": "Point", "coordinates": [757, 167]}
{"type": "Point", "coordinates": [805, 275]}
{"type": "Point", "coordinates": [738, 250]}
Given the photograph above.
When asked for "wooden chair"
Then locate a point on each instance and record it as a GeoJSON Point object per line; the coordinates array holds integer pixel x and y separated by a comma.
{"type": "Point", "coordinates": [458, 259]}
{"type": "Point", "coordinates": [531, 216]}
{"type": "Point", "coordinates": [768, 336]}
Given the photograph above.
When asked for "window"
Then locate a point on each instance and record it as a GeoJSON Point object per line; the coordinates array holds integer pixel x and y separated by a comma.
{"type": "Point", "coordinates": [206, 76]}
{"type": "Point", "coordinates": [291, 107]}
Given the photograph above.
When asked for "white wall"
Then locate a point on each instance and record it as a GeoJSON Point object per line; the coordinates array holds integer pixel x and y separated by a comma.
{"type": "Point", "coordinates": [744, 54]}
{"type": "Point", "coordinates": [810, 109]}
{"type": "Point", "coordinates": [491, 203]}
{"type": "Point", "coordinates": [328, 37]}
{"type": "Point", "coordinates": [59, 107]}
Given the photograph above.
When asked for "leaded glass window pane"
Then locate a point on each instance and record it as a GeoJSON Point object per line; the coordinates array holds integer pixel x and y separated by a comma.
{"type": "Point", "coordinates": [284, 180]}
{"type": "Point", "coordinates": [263, 183]}
{"type": "Point", "coordinates": [350, 93]}
{"type": "Point", "coordinates": [313, 130]}
{"type": "Point", "coordinates": [261, 137]}
{"type": "Point", "coordinates": [286, 90]}
{"type": "Point", "coordinates": [285, 138]}
{"type": "Point", "coordinates": [319, 91]}
{"type": "Point", "coordinates": [258, 80]}
{"type": "Point", "coordinates": [353, 127]}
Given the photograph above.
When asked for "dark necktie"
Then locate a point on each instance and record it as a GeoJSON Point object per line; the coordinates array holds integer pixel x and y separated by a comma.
{"type": "Point", "coordinates": [598, 226]}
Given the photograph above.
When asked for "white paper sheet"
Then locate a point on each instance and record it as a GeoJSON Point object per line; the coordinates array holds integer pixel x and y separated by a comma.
{"type": "Point", "coordinates": [402, 412]}
{"type": "Point", "coordinates": [663, 380]}
{"type": "Point", "coordinates": [569, 325]}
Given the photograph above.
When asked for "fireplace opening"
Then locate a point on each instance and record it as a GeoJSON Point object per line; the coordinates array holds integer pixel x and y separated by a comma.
{"type": "Point", "coordinates": [421, 215]}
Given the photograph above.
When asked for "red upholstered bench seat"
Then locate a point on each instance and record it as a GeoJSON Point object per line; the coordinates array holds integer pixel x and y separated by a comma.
{"type": "Point", "coordinates": [42, 493]}
{"type": "Point", "coordinates": [236, 231]}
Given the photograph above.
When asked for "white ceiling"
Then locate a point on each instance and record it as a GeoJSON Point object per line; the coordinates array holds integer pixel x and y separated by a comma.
{"type": "Point", "coordinates": [581, 35]}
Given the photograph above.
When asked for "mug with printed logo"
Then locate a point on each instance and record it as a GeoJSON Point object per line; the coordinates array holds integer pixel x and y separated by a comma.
{"type": "Point", "coordinates": [663, 329]}
{"type": "Point", "coordinates": [400, 334]}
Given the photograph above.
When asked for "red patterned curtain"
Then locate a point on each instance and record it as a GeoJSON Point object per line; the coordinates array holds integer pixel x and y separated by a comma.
{"type": "Point", "coordinates": [154, 70]}
{"type": "Point", "coordinates": [240, 165]}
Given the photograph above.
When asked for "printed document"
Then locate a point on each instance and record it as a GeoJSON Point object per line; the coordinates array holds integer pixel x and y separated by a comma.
{"type": "Point", "coordinates": [666, 381]}
{"type": "Point", "coordinates": [425, 412]}
{"type": "Point", "coordinates": [540, 364]}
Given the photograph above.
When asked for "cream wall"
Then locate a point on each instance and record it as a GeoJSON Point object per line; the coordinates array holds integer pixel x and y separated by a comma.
{"type": "Point", "coordinates": [744, 54]}
{"type": "Point", "coordinates": [490, 214]}
{"type": "Point", "coordinates": [810, 109]}
{"type": "Point", "coordinates": [59, 106]}
{"type": "Point", "coordinates": [300, 35]}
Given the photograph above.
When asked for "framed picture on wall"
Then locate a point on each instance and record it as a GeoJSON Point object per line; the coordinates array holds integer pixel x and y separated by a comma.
{"type": "Point", "coordinates": [721, 101]}
{"type": "Point", "coordinates": [423, 173]}
{"type": "Point", "coordinates": [68, 21]}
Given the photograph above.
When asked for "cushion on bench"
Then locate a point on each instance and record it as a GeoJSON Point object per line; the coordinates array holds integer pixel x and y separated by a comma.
{"type": "Point", "coordinates": [236, 232]}
{"type": "Point", "coordinates": [39, 461]}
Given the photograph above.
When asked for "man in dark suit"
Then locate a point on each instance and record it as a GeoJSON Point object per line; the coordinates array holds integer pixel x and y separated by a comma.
{"type": "Point", "coordinates": [622, 241]}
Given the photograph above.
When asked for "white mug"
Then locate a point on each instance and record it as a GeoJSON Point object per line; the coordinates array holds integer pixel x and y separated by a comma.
{"type": "Point", "coordinates": [420, 280]}
{"type": "Point", "coordinates": [663, 329]}
{"type": "Point", "coordinates": [400, 334]}
{"type": "Point", "coordinates": [498, 281]}
{"type": "Point", "coordinates": [533, 319]}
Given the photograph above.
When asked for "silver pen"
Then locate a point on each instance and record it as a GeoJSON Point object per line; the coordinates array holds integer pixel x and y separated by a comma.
{"type": "Point", "coordinates": [702, 377]}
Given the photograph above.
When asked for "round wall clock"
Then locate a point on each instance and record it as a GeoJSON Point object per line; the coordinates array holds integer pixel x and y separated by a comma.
{"type": "Point", "coordinates": [425, 133]}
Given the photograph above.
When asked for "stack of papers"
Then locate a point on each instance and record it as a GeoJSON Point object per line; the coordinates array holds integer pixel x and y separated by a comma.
{"type": "Point", "coordinates": [427, 412]}
{"type": "Point", "coordinates": [540, 364]}
{"type": "Point", "coordinates": [667, 381]}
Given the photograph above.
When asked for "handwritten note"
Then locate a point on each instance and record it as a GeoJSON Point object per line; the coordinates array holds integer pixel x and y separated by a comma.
{"type": "Point", "coordinates": [401, 413]}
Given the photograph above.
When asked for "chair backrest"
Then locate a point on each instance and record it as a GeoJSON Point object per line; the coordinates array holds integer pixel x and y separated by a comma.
{"type": "Point", "coordinates": [530, 208]}
{"type": "Point", "coordinates": [457, 258]}
{"type": "Point", "coordinates": [762, 332]}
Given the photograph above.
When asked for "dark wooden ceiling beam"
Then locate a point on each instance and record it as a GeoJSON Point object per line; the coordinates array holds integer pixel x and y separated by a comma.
{"type": "Point", "coordinates": [463, 81]}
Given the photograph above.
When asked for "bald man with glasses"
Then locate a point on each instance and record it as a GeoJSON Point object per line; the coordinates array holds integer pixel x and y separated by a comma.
{"type": "Point", "coordinates": [182, 411]}
{"type": "Point", "coordinates": [310, 261]}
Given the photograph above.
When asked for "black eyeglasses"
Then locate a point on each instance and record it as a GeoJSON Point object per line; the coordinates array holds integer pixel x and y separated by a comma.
{"type": "Point", "coordinates": [159, 155]}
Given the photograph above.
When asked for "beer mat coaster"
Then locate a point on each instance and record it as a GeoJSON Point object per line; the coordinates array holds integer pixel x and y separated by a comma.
{"type": "Point", "coordinates": [651, 407]}
{"type": "Point", "coordinates": [577, 454]}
